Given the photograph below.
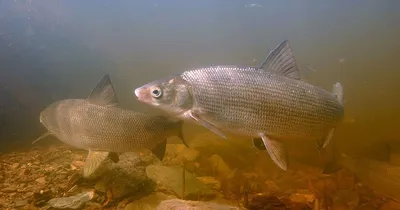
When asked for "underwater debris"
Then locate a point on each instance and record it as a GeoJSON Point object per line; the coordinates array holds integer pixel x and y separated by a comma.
{"type": "Point", "coordinates": [72, 202]}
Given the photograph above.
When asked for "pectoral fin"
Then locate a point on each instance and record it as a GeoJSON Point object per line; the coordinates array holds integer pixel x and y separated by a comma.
{"type": "Point", "coordinates": [326, 141]}
{"type": "Point", "coordinates": [41, 137]}
{"type": "Point", "coordinates": [208, 125]}
{"type": "Point", "coordinates": [159, 150]}
{"type": "Point", "coordinates": [277, 152]}
{"type": "Point", "coordinates": [93, 161]}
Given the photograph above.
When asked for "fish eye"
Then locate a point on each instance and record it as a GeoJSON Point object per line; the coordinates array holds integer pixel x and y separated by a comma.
{"type": "Point", "coordinates": [156, 92]}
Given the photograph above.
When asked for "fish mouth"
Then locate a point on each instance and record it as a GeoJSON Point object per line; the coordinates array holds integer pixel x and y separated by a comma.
{"type": "Point", "coordinates": [142, 94]}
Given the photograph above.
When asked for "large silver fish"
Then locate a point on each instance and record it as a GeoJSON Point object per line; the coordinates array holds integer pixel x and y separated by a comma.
{"type": "Point", "coordinates": [97, 124]}
{"type": "Point", "coordinates": [269, 103]}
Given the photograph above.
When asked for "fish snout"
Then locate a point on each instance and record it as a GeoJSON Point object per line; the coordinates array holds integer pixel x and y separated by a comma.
{"type": "Point", "coordinates": [142, 94]}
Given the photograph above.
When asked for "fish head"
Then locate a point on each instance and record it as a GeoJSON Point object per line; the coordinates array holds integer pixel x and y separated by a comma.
{"type": "Point", "coordinates": [172, 95]}
{"type": "Point", "coordinates": [50, 115]}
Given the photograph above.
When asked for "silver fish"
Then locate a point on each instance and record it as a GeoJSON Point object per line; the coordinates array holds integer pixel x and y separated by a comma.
{"type": "Point", "coordinates": [97, 124]}
{"type": "Point", "coordinates": [269, 103]}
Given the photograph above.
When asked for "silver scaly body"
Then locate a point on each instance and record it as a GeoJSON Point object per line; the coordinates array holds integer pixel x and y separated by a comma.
{"type": "Point", "coordinates": [270, 102]}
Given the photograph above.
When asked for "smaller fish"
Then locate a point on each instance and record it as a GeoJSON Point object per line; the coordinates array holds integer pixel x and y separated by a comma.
{"type": "Point", "coordinates": [381, 176]}
{"type": "Point", "coordinates": [97, 124]}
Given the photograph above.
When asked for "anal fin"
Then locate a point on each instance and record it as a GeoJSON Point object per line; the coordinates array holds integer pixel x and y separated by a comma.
{"type": "Point", "coordinates": [93, 161]}
{"type": "Point", "coordinates": [208, 125]}
{"type": "Point", "coordinates": [159, 150]}
{"type": "Point", "coordinates": [276, 151]}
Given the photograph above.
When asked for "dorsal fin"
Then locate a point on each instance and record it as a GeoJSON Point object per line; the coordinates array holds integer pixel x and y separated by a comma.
{"type": "Point", "coordinates": [281, 60]}
{"type": "Point", "coordinates": [103, 94]}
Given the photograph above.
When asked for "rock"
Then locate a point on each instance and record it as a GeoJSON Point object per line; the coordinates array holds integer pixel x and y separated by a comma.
{"type": "Point", "coordinates": [170, 178]}
{"type": "Point", "coordinates": [271, 186]}
{"type": "Point", "coordinates": [345, 198]}
{"type": "Point", "coordinates": [9, 189]}
{"type": "Point", "coordinates": [149, 202]}
{"type": "Point", "coordinates": [263, 202]}
{"type": "Point", "coordinates": [220, 167]}
{"type": "Point", "coordinates": [20, 203]}
{"type": "Point", "coordinates": [190, 155]}
{"type": "Point", "coordinates": [210, 182]}
{"type": "Point", "coordinates": [78, 163]}
{"type": "Point", "coordinates": [72, 202]}
{"type": "Point", "coordinates": [41, 180]}
{"type": "Point", "coordinates": [123, 178]}
{"type": "Point", "coordinates": [302, 196]}
{"type": "Point", "coordinates": [390, 205]}
{"type": "Point", "coordinates": [15, 166]}
{"type": "Point", "coordinates": [177, 204]}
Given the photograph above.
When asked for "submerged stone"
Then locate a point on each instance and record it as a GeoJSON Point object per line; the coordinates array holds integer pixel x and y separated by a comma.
{"type": "Point", "coordinates": [170, 178]}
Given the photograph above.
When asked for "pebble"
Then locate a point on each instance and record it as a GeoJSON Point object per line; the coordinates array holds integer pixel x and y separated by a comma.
{"type": "Point", "coordinates": [14, 166]}
{"type": "Point", "coordinates": [78, 163]}
{"type": "Point", "coordinates": [20, 203]}
{"type": "Point", "coordinates": [9, 189]}
{"type": "Point", "coordinates": [41, 180]}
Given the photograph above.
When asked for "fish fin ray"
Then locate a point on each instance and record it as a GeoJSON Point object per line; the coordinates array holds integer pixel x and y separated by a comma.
{"type": "Point", "coordinates": [326, 141]}
{"type": "Point", "coordinates": [104, 94]}
{"type": "Point", "coordinates": [208, 125]}
{"type": "Point", "coordinates": [276, 151]}
{"type": "Point", "coordinates": [41, 137]}
{"type": "Point", "coordinates": [338, 92]}
{"type": "Point", "coordinates": [159, 150]}
{"type": "Point", "coordinates": [259, 144]}
{"type": "Point", "coordinates": [281, 60]}
{"type": "Point", "coordinates": [93, 161]}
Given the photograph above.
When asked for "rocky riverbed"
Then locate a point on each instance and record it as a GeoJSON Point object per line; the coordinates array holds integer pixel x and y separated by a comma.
{"type": "Point", "coordinates": [50, 177]}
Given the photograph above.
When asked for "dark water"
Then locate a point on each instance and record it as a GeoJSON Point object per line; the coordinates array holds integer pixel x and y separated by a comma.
{"type": "Point", "coordinates": [60, 49]}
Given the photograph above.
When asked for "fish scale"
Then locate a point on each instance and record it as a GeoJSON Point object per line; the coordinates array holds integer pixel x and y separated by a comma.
{"type": "Point", "coordinates": [266, 102]}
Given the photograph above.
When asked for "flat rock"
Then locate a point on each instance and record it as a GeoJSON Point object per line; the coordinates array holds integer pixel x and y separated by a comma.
{"type": "Point", "coordinates": [149, 202]}
{"type": "Point", "coordinates": [177, 204]}
{"type": "Point", "coordinates": [170, 178]}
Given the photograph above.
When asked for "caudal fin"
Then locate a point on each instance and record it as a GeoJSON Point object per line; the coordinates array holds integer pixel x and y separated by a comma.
{"type": "Point", "coordinates": [338, 92]}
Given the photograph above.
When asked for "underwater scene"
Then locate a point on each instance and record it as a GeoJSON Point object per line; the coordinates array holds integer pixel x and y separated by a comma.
{"type": "Point", "coordinates": [173, 105]}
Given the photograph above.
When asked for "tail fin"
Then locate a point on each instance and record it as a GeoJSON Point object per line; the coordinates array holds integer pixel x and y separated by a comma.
{"type": "Point", "coordinates": [338, 92]}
